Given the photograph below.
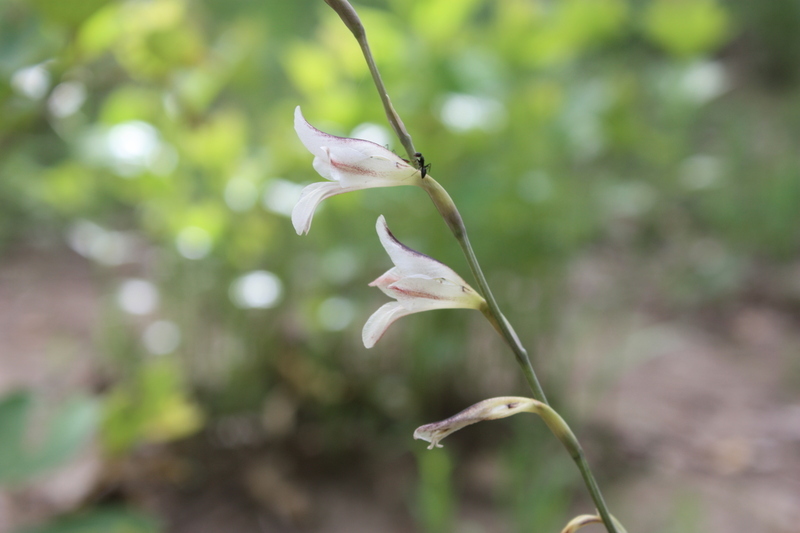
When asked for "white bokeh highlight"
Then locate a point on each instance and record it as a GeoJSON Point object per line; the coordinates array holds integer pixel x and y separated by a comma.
{"type": "Point", "coordinates": [137, 297]}
{"type": "Point", "coordinates": [107, 247]}
{"type": "Point", "coordinates": [372, 132]}
{"type": "Point", "coordinates": [464, 112]}
{"type": "Point", "coordinates": [161, 337]}
{"type": "Point", "coordinates": [259, 289]}
{"type": "Point", "coordinates": [132, 146]}
{"type": "Point", "coordinates": [66, 99]}
{"type": "Point", "coordinates": [32, 82]}
{"type": "Point", "coordinates": [241, 194]}
{"type": "Point", "coordinates": [280, 196]}
{"type": "Point", "coordinates": [336, 313]}
{"type": "Point", "coordinates": [193, 242]}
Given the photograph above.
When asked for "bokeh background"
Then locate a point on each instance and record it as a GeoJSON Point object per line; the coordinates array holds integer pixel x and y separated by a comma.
{"type": "Point", "coordinates": [174, 358]}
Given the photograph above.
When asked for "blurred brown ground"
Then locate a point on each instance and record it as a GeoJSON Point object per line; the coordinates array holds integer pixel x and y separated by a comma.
{"type": "Point", "coordinates": [704, 415]}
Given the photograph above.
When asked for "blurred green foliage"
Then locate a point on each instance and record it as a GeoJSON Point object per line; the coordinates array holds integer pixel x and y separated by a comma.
{"type": "Point", "coordinates": [101, 520]}
{"type": "Point", "coordinates": [435, 505]}
{"type": "Point", "coordinates": [31, 445]}
{"type": "Point", "coordinates": [151, 407]}
{"type": "Point", "coordinates": [155, 138]}
{"type": "Point", "coordinates": [687, 27]}
{"type": "Point", "coordinates": [540, 484]}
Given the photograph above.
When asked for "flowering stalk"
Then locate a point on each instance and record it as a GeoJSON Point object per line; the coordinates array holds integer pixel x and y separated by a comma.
{"type": "Point", "coordinates": [446, 207]}
{"type": "Point", "coordinates": [444, 204]}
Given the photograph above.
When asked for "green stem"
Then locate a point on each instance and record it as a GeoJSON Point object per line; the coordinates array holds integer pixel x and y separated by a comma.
{"type": "Point", "coordinates": [594, 489]}
{"type": "Point", "coordinates": [353, 22]}
{"type": "Point", "coordinates": [563, 432]}
{"type": "Point", "coordinates": [391, 114]}
{"type": "Point", "coordinates": [447, 208]}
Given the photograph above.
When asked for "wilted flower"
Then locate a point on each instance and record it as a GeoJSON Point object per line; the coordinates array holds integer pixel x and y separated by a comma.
{"type": "Point", "coordinates": [491, 409]}
{"type": "Point", "coordinates": [350, 164]}
{"type": "Point", "coordinates": [418, 283]}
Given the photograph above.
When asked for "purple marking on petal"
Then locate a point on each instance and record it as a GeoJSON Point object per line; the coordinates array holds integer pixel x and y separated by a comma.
{"type": "Point", "coordinates": [353, 169]}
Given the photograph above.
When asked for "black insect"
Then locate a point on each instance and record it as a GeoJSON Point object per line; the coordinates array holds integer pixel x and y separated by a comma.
{"type": "Point", "coordinates": [423, 168]}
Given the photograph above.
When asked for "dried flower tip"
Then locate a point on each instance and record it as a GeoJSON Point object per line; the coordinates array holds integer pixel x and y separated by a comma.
{"type": "Point", "coordinates": [491, 409]}
{"type": "Point", "coordinates": [579, 521]}
{"type": "Point", "coordinates": [586, 519]}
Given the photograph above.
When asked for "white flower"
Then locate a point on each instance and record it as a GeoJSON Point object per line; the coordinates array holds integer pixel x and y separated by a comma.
{"type": "Point", "coordinates": [350, 164]}
{"type": "Point", "coordinates": [418, 283]}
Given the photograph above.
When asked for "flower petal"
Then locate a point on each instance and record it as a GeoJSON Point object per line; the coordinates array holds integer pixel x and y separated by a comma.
{"type": "Point", "coordinates": [311, 137]}
{"type": "Point", "coordinates": [379, 322]}
{"type": "Point", "coordinates": [383, 282]}
{"type": "Point", "coordinates": [410, 261]}
{"type": "Point", "coordinates": [353, 161]}
{"type": "Point", "coordinates": [310, 198]}
{"type": "Point", "coordinates": [322, 164]}
{"type": "Point", "coordinates": [353, 167]}
{"type": "Point", "coordinates": [422, 293]}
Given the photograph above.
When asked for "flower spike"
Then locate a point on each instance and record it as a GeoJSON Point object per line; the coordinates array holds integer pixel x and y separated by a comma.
{"type": "Point", "coordinates": [418, 283]}
{"type": "Point", "coordinates": [349, 164]}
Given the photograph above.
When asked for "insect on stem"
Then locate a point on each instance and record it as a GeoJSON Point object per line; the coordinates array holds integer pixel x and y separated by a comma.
{"type": "Point", "coordinates": [423, 168]}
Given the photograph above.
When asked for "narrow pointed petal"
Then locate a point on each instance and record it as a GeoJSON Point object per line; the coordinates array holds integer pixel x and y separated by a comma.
{"type": "Point", "coordinates": [367, 155]}
{"type": "Point", "coordinates": [379, 322]}
{"type": "Point", "coordinates": [311, 137]}
{"type": "Point", "coordinates": [383, 282]}
{"type": "Point", "coordinates": [310, 198]}
{"type": "Point", "coordinates": [410, 261]}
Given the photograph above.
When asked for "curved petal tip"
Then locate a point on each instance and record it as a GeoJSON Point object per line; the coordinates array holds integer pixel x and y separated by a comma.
{"type": "Point", "coordinates": [379, 322]}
